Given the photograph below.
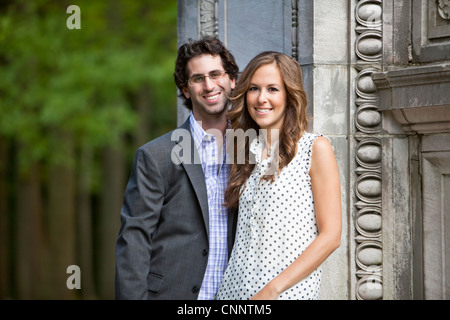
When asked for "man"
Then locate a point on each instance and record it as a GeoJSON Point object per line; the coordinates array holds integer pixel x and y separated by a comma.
{"type": "Point", "coordinates": [176, 236]}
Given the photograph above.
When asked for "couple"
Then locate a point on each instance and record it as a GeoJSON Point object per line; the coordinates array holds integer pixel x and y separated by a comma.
{"type": "Point", "coordinates": [240, 231]}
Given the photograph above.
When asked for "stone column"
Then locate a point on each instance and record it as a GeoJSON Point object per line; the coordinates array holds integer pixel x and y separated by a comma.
{"type": "Point", "coordinates": [324, 53]}
{"type": "Point", "coordinates": [366, 152]}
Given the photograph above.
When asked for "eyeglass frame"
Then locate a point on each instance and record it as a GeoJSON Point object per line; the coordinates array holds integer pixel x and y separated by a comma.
{"type": "Point", "coordinates": [222, 73]}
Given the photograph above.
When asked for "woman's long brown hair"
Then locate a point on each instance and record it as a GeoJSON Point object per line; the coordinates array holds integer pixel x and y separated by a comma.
{"type": "Point", "coordinates": [295, 121]}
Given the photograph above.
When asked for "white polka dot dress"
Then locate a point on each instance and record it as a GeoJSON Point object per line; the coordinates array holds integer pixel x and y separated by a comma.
{"type": "Point", "coordinates": [276, 224]}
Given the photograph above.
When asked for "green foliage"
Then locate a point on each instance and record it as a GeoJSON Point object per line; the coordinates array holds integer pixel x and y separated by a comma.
{"type": "Point", "coordinates": [57, 83]}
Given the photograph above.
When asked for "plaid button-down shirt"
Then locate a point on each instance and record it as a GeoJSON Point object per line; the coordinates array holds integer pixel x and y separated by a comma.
{"type": "Point", "coordinates": [216, 175]}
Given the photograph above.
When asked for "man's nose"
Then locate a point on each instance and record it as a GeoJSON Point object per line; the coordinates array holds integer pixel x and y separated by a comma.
{"type": "Point", "coordinates": [209, 84]}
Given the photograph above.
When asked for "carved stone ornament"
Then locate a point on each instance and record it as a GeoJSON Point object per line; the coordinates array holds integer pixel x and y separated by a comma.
{"type": "Point", "coordinates": [209, 25]}
{"type": "Point", "coordinates": [368, 218]}
{"type": "Point", "coordinates": [444, 9]}
{"type": "Point", "coordinates": [294, 34]}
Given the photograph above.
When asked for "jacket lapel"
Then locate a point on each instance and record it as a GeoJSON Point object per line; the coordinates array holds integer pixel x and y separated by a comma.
{"type": "Point", "coordinates": [195, 173]}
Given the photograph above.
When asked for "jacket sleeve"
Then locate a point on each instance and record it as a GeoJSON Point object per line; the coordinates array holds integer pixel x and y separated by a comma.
{"type": "Point", "coordinates": [139, 217]}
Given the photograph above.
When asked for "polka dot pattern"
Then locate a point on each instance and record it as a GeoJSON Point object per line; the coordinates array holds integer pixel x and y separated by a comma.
{"type": "Point", "coordinates": [276, 224]}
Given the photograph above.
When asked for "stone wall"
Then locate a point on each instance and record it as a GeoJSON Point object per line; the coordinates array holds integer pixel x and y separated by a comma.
{"type": "Point", "coordinates": [414, 98]}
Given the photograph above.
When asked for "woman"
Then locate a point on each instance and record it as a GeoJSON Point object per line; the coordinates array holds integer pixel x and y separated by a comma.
{"type": "Point", "coordinates": [288, 194]}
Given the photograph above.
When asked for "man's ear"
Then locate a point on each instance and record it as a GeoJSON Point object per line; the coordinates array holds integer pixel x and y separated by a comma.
{"type": "Point", "coordinates": [233, 83]}
{"type": "Point", "coordinates": [186, 92]}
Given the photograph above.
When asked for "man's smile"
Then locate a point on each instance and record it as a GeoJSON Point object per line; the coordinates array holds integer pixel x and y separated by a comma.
{"type": "Point", "coordinates": [213, 97]}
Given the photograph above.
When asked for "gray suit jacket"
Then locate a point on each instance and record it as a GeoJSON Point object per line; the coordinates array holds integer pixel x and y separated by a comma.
{"type": "Point", "coordinates": [162, 247]}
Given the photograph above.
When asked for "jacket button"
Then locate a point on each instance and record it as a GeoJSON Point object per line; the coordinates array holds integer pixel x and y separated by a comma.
{"type": "Point", "coordinates": [204, 252]}
{"type": "Point", "coordinates": [195, 289]}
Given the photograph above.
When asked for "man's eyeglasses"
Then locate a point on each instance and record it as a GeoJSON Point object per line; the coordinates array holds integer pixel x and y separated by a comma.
{"type": "Point", "coordinates": [200, 79]}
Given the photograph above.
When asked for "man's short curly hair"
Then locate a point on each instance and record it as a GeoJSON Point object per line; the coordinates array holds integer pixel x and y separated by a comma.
{"type": "Point", "coordinates": [206, 45]}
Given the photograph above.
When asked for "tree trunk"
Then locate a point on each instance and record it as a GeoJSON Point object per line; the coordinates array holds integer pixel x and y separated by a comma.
{"type": "Point", "coordinates": [61, 222]}
{"type": "Point", "coordinates": [5, 287]}
{"type": "Point", "coordinates": [109, 218]}
{"type": "Point", "coordinates": [84, 223]}
{"type": "Point", "coordinates": [30, 270]}
{"type": "Point", "coordinates": [141, 134]}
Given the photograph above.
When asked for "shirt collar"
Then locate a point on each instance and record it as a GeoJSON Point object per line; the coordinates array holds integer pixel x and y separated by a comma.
{"type": "Point", "coordinates": [199, 134]}
{"type": "Point", "coordinates": [197, 131]}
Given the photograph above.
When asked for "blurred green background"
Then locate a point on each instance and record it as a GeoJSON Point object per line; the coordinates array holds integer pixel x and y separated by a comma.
{"type": "Point", "coordinates": [74, 107]}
